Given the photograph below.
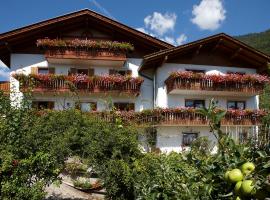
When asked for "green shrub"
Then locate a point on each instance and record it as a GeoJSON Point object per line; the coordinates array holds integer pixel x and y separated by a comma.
{"type": "Point", "coordinates": [82, 184]}
{"type": "Point", "coordinates": [74, 168]}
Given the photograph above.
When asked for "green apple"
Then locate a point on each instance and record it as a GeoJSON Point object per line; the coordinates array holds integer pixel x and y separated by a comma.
{"type": "Point", "coordinates": [226, 176]}
{"type": "Point", "coordinates": [247, 187]}
{"type": "Point", "coordinates": [247, 168]}
{"type": "Point", "coordinates": [237, 198]}
{"type": "Point", "coordinates": [235, 175]}
{"type": "Point", "coordinates": [238, 187]}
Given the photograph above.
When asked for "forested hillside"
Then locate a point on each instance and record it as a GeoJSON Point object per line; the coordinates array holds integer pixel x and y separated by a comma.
{"type": "Point", "coordinates": [260, 41]}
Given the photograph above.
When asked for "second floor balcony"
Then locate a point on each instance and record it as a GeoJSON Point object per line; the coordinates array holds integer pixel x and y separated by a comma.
{"type": "Point", "coordinates": [85, 51]}
{"type": "Point", "coordinates": [230, 84]}
{"type": "Point", "coordinates": [113, 84]}
{"type": "Point", "coordinates": [182, 117]}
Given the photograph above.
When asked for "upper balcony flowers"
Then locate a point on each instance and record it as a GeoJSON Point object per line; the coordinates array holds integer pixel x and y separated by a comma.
{"type": "Point", "coordinates": [187, 80]}
{"type": "Point", "coordinates": [81, 82]}
{"type": "Point", "coordinates": [216, 78]}
{"type": "Point", "coordinates": [84, 44]}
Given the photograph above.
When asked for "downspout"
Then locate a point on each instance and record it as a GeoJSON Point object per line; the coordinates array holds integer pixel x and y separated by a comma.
{"type": "Point", "coordinates": [154, 90]}
{"type": "Point", "coordinates": [154, 86]}
{"type": "Point", "coordinates": [153, 79]}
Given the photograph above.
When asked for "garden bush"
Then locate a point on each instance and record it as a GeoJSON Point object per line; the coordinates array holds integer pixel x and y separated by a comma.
{"type": "Point", "coordinates": [34, 146]}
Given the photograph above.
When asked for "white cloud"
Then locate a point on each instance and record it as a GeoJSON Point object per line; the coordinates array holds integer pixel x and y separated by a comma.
{"type": "Point", "coordinates": [169, 40]}
{"type": "Point", "coordinates": [145, 31]}
{"type": "Point", "coordinates": [209, 14]}
{"type": "Point", "coordinates": [182, 38]}
{"type": "Point", "coordinates": [159, 23]}
{"type": "Point", "coordinates": [141, 29]}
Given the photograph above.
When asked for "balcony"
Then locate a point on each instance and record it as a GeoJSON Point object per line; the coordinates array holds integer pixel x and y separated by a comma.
{"type": "Point", "coordinates": [182, 117]}
{"type": "Point", "coordinates": [110, 84]}
{"type": "Point", "coordinates": [5, 86]}
{"type": "Point", "coordinates": [90, 52]}
{"type": "Point", "coordinates": [224, 85]}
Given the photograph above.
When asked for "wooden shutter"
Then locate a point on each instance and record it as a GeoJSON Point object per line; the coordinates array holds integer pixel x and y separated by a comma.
{"type": "Point", "coordinates": [78, 105]}
{"type": "Point", "coordinates": [93, 106]}
{"type": "Point", "coordinates": [34, 70]}
{"type": "Point", "coordinates": [51, 105]}
{"type": "Point", "coordinates": [91, 72]}
{"type": "Point", "coordinates": [72, 71]}
{"type": "Point", "coordinates": [112, 71]}
{"type": "Point", "coordinates": [51, 70]}
{"type": "Point", "coordinates": [129, 72]}
{"type": "Point", "coordinates": [34, 104]}
{"type": "Point", "coordinates": [131, 106]}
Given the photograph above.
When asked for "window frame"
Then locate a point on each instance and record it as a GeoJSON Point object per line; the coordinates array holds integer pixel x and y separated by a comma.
{"type": "Point", "coordinates": [194, 100]}
{"type": "Point", "coordinates": [196, 70]}
{"type": "Point", "coordinates": [42, 68]}
{"type": "Point", "coordinates": [236, 107]}
{"type": "Point", "coordinates": [128, 104]}
{"type": "Point", "coordinates": [50, 105]}
{"type": "Point", "coordinates": [83, 69]}
{"type": "Point", "coordinates": [189, 134]}
{"type": "Point", "coordinates": [93, 105]}
{"type": "Point", "coordinates": [121, 72]}
{"type": "Point", "coordinates": [239, 73]}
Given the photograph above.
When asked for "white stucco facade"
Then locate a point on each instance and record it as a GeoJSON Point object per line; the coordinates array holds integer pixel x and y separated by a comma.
{"type": "Point", "coordinates": [169, 138]}
{"type": "Point", "coordinates": [145, 56]}
{"type": "Point", "coordinates": [165, 100]}
{"type": "Point", "coordinates": [22, 63]}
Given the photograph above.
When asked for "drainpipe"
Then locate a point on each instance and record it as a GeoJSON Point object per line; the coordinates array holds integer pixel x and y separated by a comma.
{"type": "Point", "coordinates": [154, 87]}
{"type": "Point", "coordinates": [154, 91]}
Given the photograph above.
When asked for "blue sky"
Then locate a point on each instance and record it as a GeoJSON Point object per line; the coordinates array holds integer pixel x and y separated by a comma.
{"type": "Point", "coordinates": [176, 21]}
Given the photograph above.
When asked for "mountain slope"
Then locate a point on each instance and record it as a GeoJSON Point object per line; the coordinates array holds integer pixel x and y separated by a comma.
{"type": "Point", "coordinates": [260, 41]}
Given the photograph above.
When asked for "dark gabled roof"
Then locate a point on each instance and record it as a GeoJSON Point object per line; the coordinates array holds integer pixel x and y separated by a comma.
{"type": "Point", "coordinates": [87, 12]}
{"type": "Point", "coordinates": [151, 58]}
{"type": "Point", "coordinates": [19, 34]}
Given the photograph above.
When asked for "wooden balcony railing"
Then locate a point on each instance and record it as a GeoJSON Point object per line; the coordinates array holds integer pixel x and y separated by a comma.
{"type": "Point", "coordinates": [62, 83]}
{"type": "Point", "coordinates": [85, 49]}
{"type": "Point", "coordinates": [158, 117]}
{"type": "Point", "coordinates": [100, 54]}
{"type": "Point", "coordinates": [208, 85]}
{"type": "Point", "coordinates": [217, 83]}
{"type": "Point", "coordinates": [5, 86]}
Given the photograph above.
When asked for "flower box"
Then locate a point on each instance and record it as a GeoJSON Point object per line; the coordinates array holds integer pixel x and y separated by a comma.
{"type": "Point", "coordinates": [186, 80]}
{"type": "Point", "coordinates": [85, 49]}
{"type": "Point", "coordinates": [80, 83]}
{"type": "Point", "coordinates": [182, 116]}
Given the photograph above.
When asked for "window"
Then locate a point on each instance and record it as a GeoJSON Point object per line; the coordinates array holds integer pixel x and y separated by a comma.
{"type": "Point", "coordinates": [43, 70]}
{"type": "Point", "coordinates": [188, 138]}
{"type": "Point", "coordinates": [40, 105]}
{"type": "Point", "coordinates": [82, 71]}
{"type": "Point", "coordinates": [243, 137]}
{"type": "Point", "coordinates": [240, 105]}
{"type": "Point", "coordinates": [239, 73]}
{"type": "Point", "coordinates": [124, 106]}
{"type": "Point", "coordinates": [86, 106]}
{"type": "Point", "coordinates": [120, 72]}
{"type": "Point", "coordinates": [195, 70]}
{"type": "Point", "coordinates": [89, 71]}
{"type": "Point", "coordinates": [194, 103]}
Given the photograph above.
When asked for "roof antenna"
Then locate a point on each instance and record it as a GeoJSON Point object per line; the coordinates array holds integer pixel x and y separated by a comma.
{"type": "Point", "coordinates": [102, 9]}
